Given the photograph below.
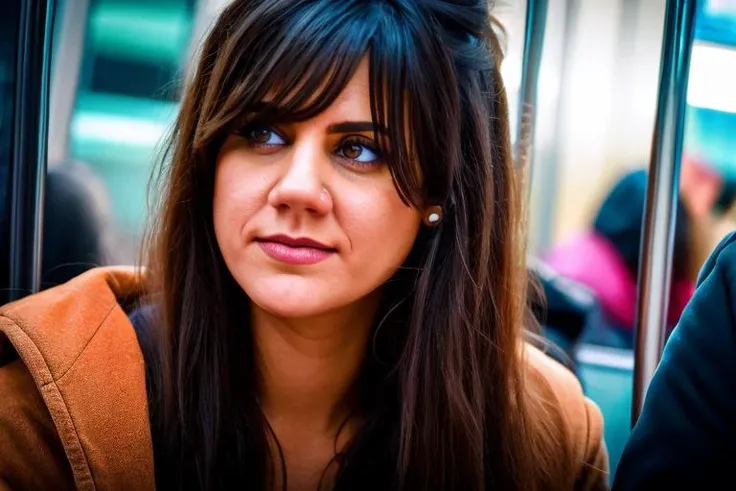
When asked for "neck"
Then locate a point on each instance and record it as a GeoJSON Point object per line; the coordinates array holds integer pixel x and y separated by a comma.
{"type": "Point", "coordinates": [308, 367]}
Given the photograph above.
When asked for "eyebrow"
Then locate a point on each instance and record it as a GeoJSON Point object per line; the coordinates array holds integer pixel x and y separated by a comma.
{"type": "Point", "coordinates": [342, 127]}
{"type": "Point", "coordinates": [357, 127]}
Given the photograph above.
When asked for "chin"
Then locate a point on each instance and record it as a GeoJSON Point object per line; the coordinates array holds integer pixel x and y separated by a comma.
{"type": "Point", "coordinates": [293, 308]}
{"type": "Point", "coordinates": [291, 298]}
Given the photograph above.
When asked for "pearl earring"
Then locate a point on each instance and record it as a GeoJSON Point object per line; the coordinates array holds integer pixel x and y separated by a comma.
{"type": "Point", "coordinates": [433, 216]}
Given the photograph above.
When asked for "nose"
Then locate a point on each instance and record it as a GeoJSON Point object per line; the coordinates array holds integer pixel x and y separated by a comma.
{"type": "Point", "coordinates": [300, 188]}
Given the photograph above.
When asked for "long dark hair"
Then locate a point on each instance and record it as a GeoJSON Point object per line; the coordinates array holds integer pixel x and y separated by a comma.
{"type": "Point", "coordinates": [442, 391]}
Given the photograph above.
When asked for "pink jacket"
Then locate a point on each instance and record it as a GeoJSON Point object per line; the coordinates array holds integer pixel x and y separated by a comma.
{"type": "Point", "coordinates": [591, 260]}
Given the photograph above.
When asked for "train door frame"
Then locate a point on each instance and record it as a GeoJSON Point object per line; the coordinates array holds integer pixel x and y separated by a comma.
{"type": "Point", "coordinates": [27, 159]}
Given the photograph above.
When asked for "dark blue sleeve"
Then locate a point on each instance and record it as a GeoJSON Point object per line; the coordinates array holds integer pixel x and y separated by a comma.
{"type": "Point", "coordinates": [142, 319]}
{"type": "Point", "coordinates": [686, 436]}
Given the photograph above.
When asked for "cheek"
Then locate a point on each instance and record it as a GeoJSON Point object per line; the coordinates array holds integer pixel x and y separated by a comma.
{"type": "Point", "coordinates": [238, 196]}
{"type": "Point", "coordinates": [380, 226]}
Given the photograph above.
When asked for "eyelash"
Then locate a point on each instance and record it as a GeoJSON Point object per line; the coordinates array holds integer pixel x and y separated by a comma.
{"type": "Point", "coordinates": [359, 140]}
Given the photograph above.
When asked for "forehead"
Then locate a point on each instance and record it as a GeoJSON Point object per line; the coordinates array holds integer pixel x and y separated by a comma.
{"type": "Point", "coordinates": [352, 102]}
{"type": "Point", "coordinates": [358, 87]}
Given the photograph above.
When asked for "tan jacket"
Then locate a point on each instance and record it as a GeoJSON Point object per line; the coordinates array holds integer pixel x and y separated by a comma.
{"type": "Point", "coordinates": [73, 408]}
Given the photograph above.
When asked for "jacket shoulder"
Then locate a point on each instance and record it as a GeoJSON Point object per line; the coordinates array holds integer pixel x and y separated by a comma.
{"type": "Point", "coordinates": [78, 354]}
{"type": "Point", "coordinates": [683, 438]}
{"type": "Point", "coordinates": [31, 452]}
{"type": "Point", "coordinates": [51, 329]}
{"type": "Point", "coordinates": [577, 420]}
{"type": "Point", "coordinates": [724, 254]}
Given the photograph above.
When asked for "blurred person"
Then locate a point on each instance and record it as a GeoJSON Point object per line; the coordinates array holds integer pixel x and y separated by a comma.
{"type": "Point", "coordinates": [335, 290]}
{"type": "Point", "coordinates": [75, 223]}
{"type": "Point", "coordinates": [724, 220]}
{"type": "Point", "coordinates": [606, 259]}
{"type": "Point", "coordinates": [75, 235]}
{"type": "Point", "coordinates": [684, 438]}
{"type": "Point", "coordinates": [707, 177]}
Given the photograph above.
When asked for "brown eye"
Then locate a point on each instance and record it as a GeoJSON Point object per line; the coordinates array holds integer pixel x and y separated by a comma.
{"type": "Point", "coordinates": [359, 152]}
{"type": "Point", "coordinates": [260, 135]}
{"type": "Point", "coordinates": [352, 150]}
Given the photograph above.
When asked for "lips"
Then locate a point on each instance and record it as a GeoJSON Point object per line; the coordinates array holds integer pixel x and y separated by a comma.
{"type": "Point", "coordinates": [295, 250]}
{"type": "Point", "coordinates": [296, 242]}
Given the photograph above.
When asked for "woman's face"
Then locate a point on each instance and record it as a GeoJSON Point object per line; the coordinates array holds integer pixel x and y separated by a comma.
{"type": "Point", "coordinates": [306, 214]}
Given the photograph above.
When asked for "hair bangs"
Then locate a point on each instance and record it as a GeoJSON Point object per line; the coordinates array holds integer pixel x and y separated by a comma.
{"type": "Point", "coordinates": [289, 63]}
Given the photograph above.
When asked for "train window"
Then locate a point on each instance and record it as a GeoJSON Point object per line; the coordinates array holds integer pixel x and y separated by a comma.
{"type": "Point", "coordinates": [117, 70]}
{"type": "Point", "coordinates": [134, 48]}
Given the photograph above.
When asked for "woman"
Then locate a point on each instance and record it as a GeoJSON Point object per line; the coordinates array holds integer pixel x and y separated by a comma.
{"type": "Point", "coordinates": [334, 298]}
{"type": "Point", "coordinates": [75, 199]}
{"type": "Point", "coordinates": [606, 260]}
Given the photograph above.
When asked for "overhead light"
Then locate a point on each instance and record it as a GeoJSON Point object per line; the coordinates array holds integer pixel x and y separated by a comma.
{"type": "Point", "coordinates": [712, 79]}
{"type": "Point", "coordinates": [115, 129]}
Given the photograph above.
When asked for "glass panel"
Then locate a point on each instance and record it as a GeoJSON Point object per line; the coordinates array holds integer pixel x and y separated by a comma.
{"type": "Point", "coordinates": [115, 88]}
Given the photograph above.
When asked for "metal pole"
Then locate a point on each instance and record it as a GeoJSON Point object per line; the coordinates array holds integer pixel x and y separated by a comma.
{"type": "Point", "coordinates": [662, 191]}
{"type": "Point", "coordinates": [30, 141]}
{"type": "Point", "coordinates": [536, 20]}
